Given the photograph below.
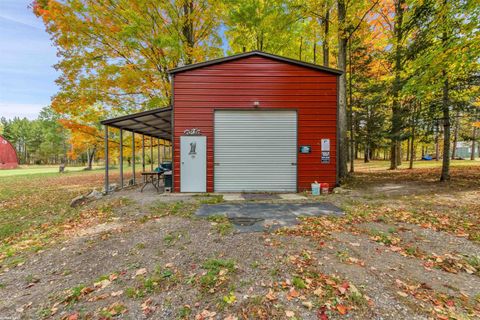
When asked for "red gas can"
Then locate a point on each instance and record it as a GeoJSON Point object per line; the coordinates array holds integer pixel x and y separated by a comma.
{"type": "Point", "coordinates": [324, 187]}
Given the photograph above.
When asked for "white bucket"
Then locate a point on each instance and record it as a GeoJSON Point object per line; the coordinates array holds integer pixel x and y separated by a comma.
{"type": "Point", "coordinates": [315, 189]}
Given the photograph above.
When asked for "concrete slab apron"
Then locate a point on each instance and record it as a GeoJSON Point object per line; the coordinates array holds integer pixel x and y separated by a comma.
{"type": "Point", "coordinates": [257, 217]}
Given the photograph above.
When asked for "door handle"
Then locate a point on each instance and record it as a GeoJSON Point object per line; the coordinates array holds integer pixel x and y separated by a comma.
{"type": "Point", "coordinates": [216, 163]}
{"type": "Point", "coordinates": [294, 163]}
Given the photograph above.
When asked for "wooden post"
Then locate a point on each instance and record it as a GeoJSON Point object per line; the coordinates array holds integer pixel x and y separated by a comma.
{"type": "Point", "coordinates": [133, 157]}
{"type": "Point", "coordinates": [106, 160]}
{"type": "Point", "coordinates": [121, 158]}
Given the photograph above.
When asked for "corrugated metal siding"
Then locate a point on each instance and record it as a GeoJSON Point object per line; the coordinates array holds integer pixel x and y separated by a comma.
{"type": "Point", "coordinates": [237, 84]}
{"type": "Point", "coordinates": [255, 150]}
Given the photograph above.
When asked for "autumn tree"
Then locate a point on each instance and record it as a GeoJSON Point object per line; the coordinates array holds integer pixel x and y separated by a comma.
{"type": "Point", "coordinates": [262, 25]}
{"type": "Point", "coordinates": [114, 55]}
{"type": "Point", "coordinates": [447, 68]}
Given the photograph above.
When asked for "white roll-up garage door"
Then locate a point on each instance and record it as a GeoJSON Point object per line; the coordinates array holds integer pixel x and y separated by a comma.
{"type": "Point", "coordinates": [255, 150]}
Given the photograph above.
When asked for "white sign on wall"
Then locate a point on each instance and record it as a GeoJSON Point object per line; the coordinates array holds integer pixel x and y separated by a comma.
{"type": "Point", "coordinates": [325, 144]}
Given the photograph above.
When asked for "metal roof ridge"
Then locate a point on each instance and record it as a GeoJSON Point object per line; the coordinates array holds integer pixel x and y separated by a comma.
{"type": "Point", "coordinates": [255, 53]}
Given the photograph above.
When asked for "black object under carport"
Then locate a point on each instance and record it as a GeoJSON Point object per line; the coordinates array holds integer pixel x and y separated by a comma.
{"type": "Point", "coordinates": [257, 217]}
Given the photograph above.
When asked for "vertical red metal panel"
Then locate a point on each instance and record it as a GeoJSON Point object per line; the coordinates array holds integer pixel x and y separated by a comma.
{"type": "Point", "coordinates": [275, 85]}
{"type": "Point", "coordinates": [8, 155]}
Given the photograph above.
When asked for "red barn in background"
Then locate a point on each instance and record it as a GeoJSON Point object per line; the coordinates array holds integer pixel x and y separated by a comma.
{"type": "Point", "coordinates": [8, 155]}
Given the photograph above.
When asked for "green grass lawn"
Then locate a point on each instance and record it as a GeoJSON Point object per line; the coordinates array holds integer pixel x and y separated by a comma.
{"type": "Point", "coordinates": [28, 170]}
{"type": "Point", "coordinates": [34, 206]}
{"type": "Point", "coordinates": [381, 164]}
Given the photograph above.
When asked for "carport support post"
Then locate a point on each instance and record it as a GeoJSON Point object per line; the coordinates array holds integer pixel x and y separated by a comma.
{"type": "Point", "coordinates": [151, 153]}
{"type": "Point", "coordinates": [158, 151]}
{"type": "Point", "coordinates": [143, 153]}
{"type": "Point", "coordinates": [121, 158]}
{"type": "Point", "coordinates": [106, 160]}
{"type": "Point", "coordinates": [143, 156]}
{"type": "Point", "coordinates": [133, 157]}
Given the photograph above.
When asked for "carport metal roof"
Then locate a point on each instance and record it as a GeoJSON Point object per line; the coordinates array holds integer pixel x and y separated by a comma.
{"type": "Point", "coordinates": [155, 123]}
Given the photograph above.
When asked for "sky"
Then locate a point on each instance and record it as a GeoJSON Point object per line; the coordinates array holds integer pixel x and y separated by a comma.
{"type": "Point", "coordinates": [27, 76]}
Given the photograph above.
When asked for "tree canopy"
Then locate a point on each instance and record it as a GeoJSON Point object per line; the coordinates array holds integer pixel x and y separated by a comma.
{"type": "Point", "coordinates": [411, 66]}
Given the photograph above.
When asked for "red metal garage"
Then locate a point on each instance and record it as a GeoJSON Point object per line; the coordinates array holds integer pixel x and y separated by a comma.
{"type": "Point", "coordinates": [8, 155]}
{"type": "Point", "coordinates": [254, 122]}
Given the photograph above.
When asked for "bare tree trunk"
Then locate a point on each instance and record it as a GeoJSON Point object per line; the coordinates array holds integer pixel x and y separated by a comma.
{"type": "Point", "coordinates": [326, 33]}
{"type": "Point", "coordinates": [300, 49]}
{"type": "Point", "coordinates": [350, 111]}
{"type": "Point", "coordinates": [90, 157]}
{"type": "Point", "coordinates": [478, 151]}
{"type": "Point", "coordinates": [396, 130]}
{"type": "Point", "coordinates": [342, 92]}
{"type": "Point", "coordinates": [412, 144]}
{"type": "Point", "coordinates": [399, 153]}
{"type": "Point", "coordinates": [445, 176]}
{"type": "Point", "coordinates": [455, 134]}
{"type": "Point", "coordinates": [437, 148]}
{"type": "Point", "coordinates": [366, 157]}
{"type": "Point", "coordinates": [474, 136]}
{"type": "Point", "coordinates": [188, 30]}
{"type": "Point", "coordinates": [408, 149]}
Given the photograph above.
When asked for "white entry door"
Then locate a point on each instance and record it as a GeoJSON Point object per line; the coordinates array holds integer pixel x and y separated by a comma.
{"type": "Point", "coordinates": [193, 164]}
{"type": "Point", "coordinates": [255, 150]}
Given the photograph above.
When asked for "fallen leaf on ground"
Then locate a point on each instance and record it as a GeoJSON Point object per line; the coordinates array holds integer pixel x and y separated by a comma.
{"type": "Point", "coordinates": [116, 293]}
{"type": "Point", "coordinates": [318, 292]}
{"type": "Point", "coordinates": [205, 314]}
{"type": "Point", "coordinates": [271, 296]}
{"type": "Point", "coordinates": [342, 309]}
{"type": "Point", "coordinates": [321, 314]}
{"type": "Point", "coordinates": [147, 307]}
{"type": "Point", "coordinates": [140, 272]}
{"type": "Point", "coordinates": [102, 284]}
{"type": "Point", "coordinates": [73, 316]}
{"type": "Point", "coordinates": [289, 314]}
{"type": "Point", "coordinates": [86, 290]}
{"type": "Point", "coordinates": [292, 294]}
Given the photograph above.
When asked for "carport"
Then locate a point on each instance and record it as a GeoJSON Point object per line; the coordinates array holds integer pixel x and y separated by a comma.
{"type": "Point", "coordinates": [154, 125]}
